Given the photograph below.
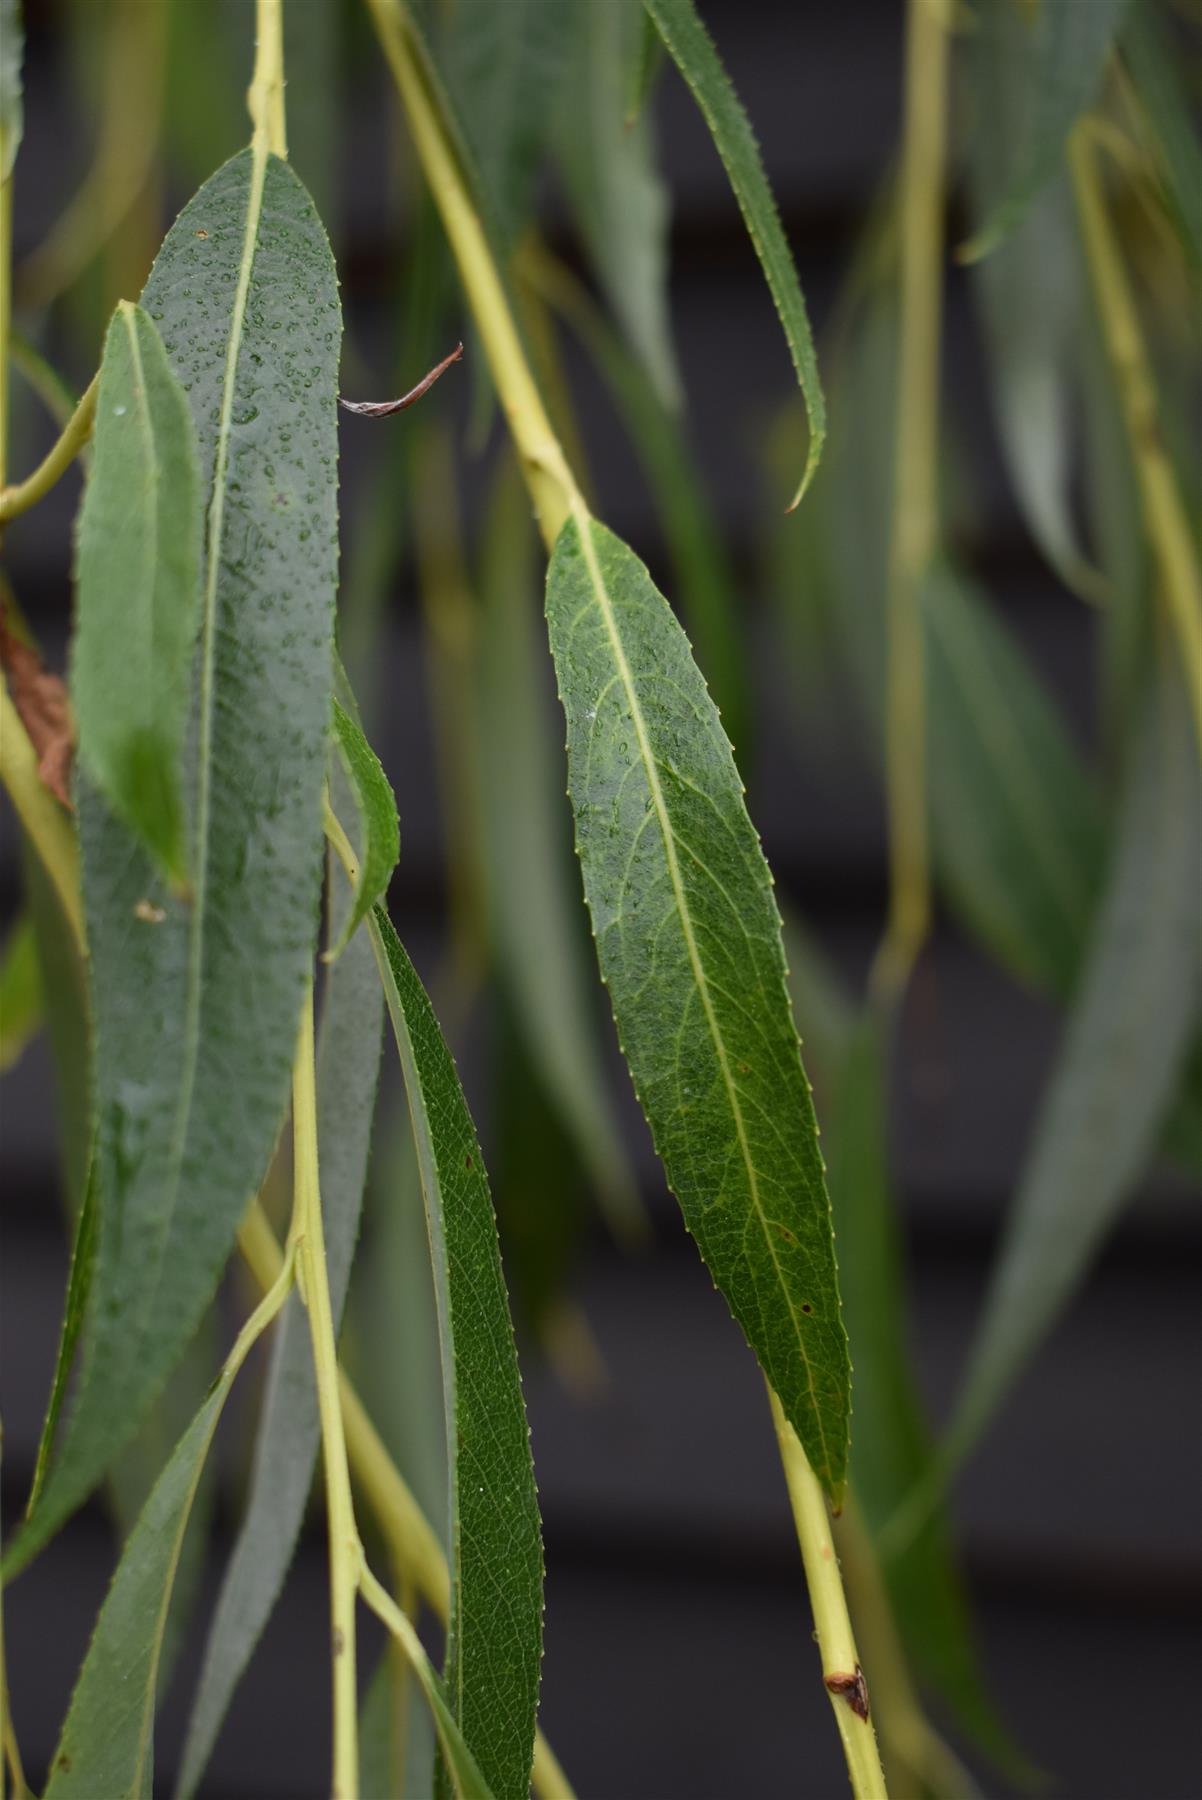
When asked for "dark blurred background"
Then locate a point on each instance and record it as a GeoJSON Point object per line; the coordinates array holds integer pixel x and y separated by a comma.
{"type": "Point", "coordinates": [678, 1653]}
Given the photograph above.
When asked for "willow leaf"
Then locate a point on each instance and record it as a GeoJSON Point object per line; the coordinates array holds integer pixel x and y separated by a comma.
{"type": "Point", "coordinates": [692, 49]}
{"type": "Point", "coordinates": [689, 942]}
{"type": "Point", "coordinates": [534, 910]}
{"type": "Point", "coordinates": [1168, 119]}
{"type": "Point", "coordinates": [138, 589]}
{"type": "Point", "coordinates": [12, 121]}
{"type": "Point", "coordinates": [380, 831]}
{"type": "Point", "coordinates": [79, 1287]}
{"type": "Point", "coordinates": [1035, 71]}
{"type": "Point", "coordinates": [620, 202]}
{"type": "Point", "coordinates": [348, 1059]}
{"type": "Point", "coordinates": [1123, 1051]}
{"type": "Point", "coordinates": [20, 991]}
{"type": "Point", "coordinates": [494, 1639]}
{"type": "Point", "coordinates": [196, 1003]}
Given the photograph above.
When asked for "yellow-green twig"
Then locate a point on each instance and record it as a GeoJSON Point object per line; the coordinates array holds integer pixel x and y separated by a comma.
{"type": "Point", "coordinates": [41, 815]}
{"type": "Point", "coordinates": [841, 1672]}
{"type": "Point", "coordinates": [58, 459]}
{"type": "Point", "coordinates": [1165, 519]}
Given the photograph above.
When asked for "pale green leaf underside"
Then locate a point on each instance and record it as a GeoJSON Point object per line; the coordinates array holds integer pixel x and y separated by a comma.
{"type": "Point", "coordinates": [380, 831]}
{"type": "Point", "coordinates": [1122, 1055]}
{"type": "Point", "coordinates": [138, 589]}
{"type": "Point", "coordinates": [495, 1634]}
{"type": "Point", "coordinates": [692, 49]}
{"type": "Point", "coordinates": [689, 941]}
{"type": "Point", "coordinates": [196, 1002]}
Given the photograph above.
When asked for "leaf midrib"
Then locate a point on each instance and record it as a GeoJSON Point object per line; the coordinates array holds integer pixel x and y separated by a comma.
{"type": "Point", "coordinates": [200, 861]}
{"type": "Point", "coordinates": [583, 521]}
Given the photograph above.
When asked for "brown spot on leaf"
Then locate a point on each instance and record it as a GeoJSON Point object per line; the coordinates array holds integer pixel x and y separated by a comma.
{"type": "Point", "coordinates": [43, 708]}
{"type": "Point", "coordinates": [202, 234]}
{"type": "Point", "coordinates": [468, 1163]}
{"type": "Point", "coordinates": [806, 1307]}
{"type": "Point", "coordinates": [853, 1689]}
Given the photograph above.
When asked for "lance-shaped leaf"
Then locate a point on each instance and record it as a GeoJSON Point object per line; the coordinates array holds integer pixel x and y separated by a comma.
{"type": "Point", "coordinates": [1122, 1054]}
{"type": "Point", "coordinates": [619, 200]}
{"type": "Point", "coordinates": [379, 827]}
{"type": "Point", "coordinates": [12, 47]}
{"type": "Point", "coordinates": [689, 942]}
{"type": "Point", "coordinates": [692, 49]}
{"type": "Point", "coordinates": [348, 1059]}
{"type": "Point", "coordinates": [494, 1637]}
{"type": "Point", "coordinates": [20, 991]}
{"type": "Point", "coordinates": [1035, 70]}
{"type": "Point", "coordinates": [534, 909]}
{"type": "Point", "coordinates": [107, 1741]}
{"type": "Point", "coordinates": [196, 1002]}
{"type": "Point", "coordinates": [138, 589]}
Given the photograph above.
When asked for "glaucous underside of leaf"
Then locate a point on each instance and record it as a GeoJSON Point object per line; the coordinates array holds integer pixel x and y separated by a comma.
{"type": "Point", "coordinates": [689, 942]}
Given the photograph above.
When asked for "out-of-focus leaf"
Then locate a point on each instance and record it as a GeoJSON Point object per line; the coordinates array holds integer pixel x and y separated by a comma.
{"type": "Point", "coordinates": [503, 67]}
{"type": "Point", "coordinates": [196, 1003]}
{"type": "Point", "coordinates": [620, 202]}
{"type": "Point", "coordinates": [20, 991]}
{"type": "Point", "coordinates": [79, 1284]}
{"type": "Point", "coordinates": [316, 82]}
{"type": "Point", "coordinates": [379, 827]}
{"type": "Point", "coordinates": [396, 1735]}
{"type": "Point", "coordinates": [12, 48]}
{"type": "Point", "coordinates": [466, 1780]}
{"type": "Point", "coordinates": [107, 1742]}
{"type": "Point", "coordinates": [822, 1007]}
{"type": "Point", "coordinates": [1032, 298]}
{"type": "Point", "coordinates": [644, 67]}
{"type": "Point", "coordinates": [891, 1446]}
{"type": "Point", "coordinates": [528, 862]}
{"type": "Point", "coordinates": [204, 118]}
{"type": "Point", "coordinates": [348, 1059]}
{"type": "Point", "coordinates": [1122, 1054]}
{"type": "Point", "coordinates": [692, 49]}
{"type": "Point", "coordinates": [138, 589]}
{"type": "Point", "coordinates": [1035, 69]}
{"type": "Point", "coordinates": [494, 1639]}
{"type": "Point", "coordinates": [1167, 119]}
{"type": "Point", "coordinates": [689, 942]}
{"type": "Point", "coordinates": [1017, 820]}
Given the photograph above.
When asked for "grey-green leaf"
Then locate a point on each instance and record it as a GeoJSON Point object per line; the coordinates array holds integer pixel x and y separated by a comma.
{"type": "Point", "coordinates": [348, 1059]}
{"type": "Point", "coordinates": [533, 907]}
{"type": "Point", "coordinates": [494, 1639]}
{"type": "Point", "coordinates": [689, 942]}
{"type": "Point", "coordinates": [196, 1002]}
{"type": "Point", "coordinates": [1035, 70]}
{"type": "Point", "coordinates": [79, 1287]}
{"type": "Point", "coordinates": [138, 589]}
{"type": "Point", "coordinates": [379, 827]}
{"type": "Point", "coordinates": [692, 49]}
{"type": "Point", "coordinates": [620, 202]}
{"type": "Point", "coordinates": [12, 49]}
{"type": "Point", "coordinates": [1122, 1055]}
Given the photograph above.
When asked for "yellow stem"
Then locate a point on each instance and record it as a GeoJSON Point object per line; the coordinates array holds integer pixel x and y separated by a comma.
{"type": "Point", "coordinates": [915, 507]}
{"type": "Point", "coordinates": [58, 459]}
{"type": "Point", "coordinates": [265, 96]}
{"type": "Point", "coordinates": [841, 1672]}
{"type": "Point", "coordinates": [346, 1553]}
{"type": "Point", "coordinates": [1165, 518]}
{"type": "Point", "coordinates": [41, 815]}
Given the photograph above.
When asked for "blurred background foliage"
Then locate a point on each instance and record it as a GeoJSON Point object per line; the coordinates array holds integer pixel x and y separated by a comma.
{"type": "Point", "coordinates": [1059, 624]}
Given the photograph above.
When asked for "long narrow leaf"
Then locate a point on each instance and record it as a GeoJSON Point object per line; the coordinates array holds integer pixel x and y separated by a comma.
{"type": "Point", "coordinates": [379, 828]}
{"type": "Point", "coordinates": [196, 1002]}
{"type": "Point", "coordinates": [1122, 1053]}
{"type": "Point", "coordinates": [689, 942]}
{"type": "Point", "coordinates": [20, 991]}
{"type": "Point", "coordinates": [348, 1058]}
{"type": "Point", "coordinates": [692, 49]}
{"type": "Point", "coordinates": [138, 588]}
{"type": "Point", "coordinates": [494, 1639]}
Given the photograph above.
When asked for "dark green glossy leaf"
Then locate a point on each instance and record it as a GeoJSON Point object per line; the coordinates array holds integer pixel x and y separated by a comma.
{"type": "Point", "coordinates": [1122, 1055]}
{"type": "Point", "coordinates": [534, 910]}
{"type": "Point", "coordinates": [379, 827]}
{"type": "Point", "coordinates": [494, 1638]}
{"type": "Point", "coordinates": [1035, 70]}
{"type": "Point", "coordinates": [348, 1058]}
{"type": "Point", "coordinates": [138, 589]}
{"type": "Point", "coordinates": [621, 205]}
{"type": "Point", "coordinates": [196, 1002]}
{"type": "Point", "coordinates": [20, 991]}
{"type": "Point", "coordinates": [689, 942]}
{"type": "Point", "coordinates": [12, 47]}
{"type": "Point", "coordinates": [692, 49]}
